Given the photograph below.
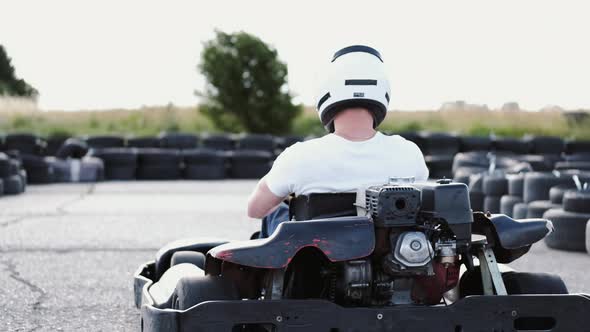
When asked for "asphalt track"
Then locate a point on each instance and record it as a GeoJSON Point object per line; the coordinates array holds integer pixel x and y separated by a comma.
{"type": "Point", "coordinates": [68, 251]}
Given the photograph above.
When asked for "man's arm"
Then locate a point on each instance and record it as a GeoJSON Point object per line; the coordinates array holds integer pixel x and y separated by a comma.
{"type": "Point", "coordinates": [262, 201]}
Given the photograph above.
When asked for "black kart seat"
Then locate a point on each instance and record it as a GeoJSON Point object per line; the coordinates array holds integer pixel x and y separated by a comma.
{"type": "Point", "coordinates": [510, 238]}
{"type": "Point", "coordinates": [321, 206]}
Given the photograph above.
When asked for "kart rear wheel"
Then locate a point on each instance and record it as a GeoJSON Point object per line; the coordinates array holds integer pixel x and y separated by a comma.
{"type": "Point", "coordinates": [191, 257]}
{"type": "Point", "coordinates": [193, 290]}
{"type": "Point", "coordinates": [516, 283]}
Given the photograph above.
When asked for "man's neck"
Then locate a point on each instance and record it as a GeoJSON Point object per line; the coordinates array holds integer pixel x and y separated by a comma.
{"type": "Point", "coordinates": [358, 134]}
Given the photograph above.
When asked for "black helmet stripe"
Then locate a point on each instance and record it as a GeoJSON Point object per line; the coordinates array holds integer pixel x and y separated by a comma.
{"type": "Point", "coordinates": [360, 82]}
{"type": "Point", "coordinates": [357, 48]}
{"type": "Point", "coordinates": [323, 99]}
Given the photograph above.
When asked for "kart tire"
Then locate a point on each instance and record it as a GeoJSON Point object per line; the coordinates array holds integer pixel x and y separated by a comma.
{"type": "Point", "coordinates": [573, 165]}
{"type": "Point", "coordinates": [72, 148]}
{"type": "Point", "coordinates": [556, 193]}
{"type": "Point", "coordinates": [546, 145]}
{"type": "Point", "coordinates": [256, 142]}
{"type": "Point", "coordinates": [575, 146]}
{"type": "Point", "coordinates": [538, 184]}
{"type": "Point", "coordinates": [537, 208]}
{"type": "Point", "coordinates": [439, 166]}
{"type": "Point", "coordinates": [507, 203]}
{"type": "Point", "coordinates": [178, 141]}
{"type": "Point", "coordinates": [476, 183]}
{"type": "Point", "coordinates": [6, 167]}
{"type": "Point", "coordinates": [517, 283]}
{"type": "Point", "coordinates": [516, 185]}
{"type": "Point", "coordinates": [101, 142]}
{"type": "Point", "coordinates": [25, 143]}
{"type": "Point", "coordinates": [439, 143]}
{"type": "Point", "coordinates": [193, 290]}
{"type": "Point", "coordinates": [477, 200]}
{"type": "Point", "coordinates": [495, 186]}
{"type": "Point", "coordinates": [192, 257]}
{"type": "Point", "coordinates": [570, 230]}
{"type": "Point", "coordinates": [39, 171]}
{"type": "Point", "coordinates": [513, 145]}
{"type": "Point", "coordinates": [474, 143]}
{"type": "Point", "coordinates": [520, 211]}
{"type": "Point", "coordinates": [576, 201]}
{"type": "Point", "coordinates": [143, 142]}
{"type": "Point", "coordinates": [461, 178]}
{"type": "Point", "coordinates": [250, 164]}
{"type": "Point", "coordinates": [160, 157]}
{"type": "Point", "coordinates": [491, 204]}
{"type": "Point", "coordinates": [219, 142]}
{"type": "Point", "coordinates": [471, 159]}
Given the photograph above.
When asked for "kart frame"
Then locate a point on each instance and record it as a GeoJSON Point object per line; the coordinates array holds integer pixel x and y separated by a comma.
{"type": "Point", "coordinates": [473, 313]}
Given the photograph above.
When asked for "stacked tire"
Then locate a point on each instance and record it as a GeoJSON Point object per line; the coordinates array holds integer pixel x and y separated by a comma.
{"type": "Point", "coordinates": [12, 180]}
{"type": "Point", "coordinates": [221, 142]}
{"type": "Point", "coordinates": [39, 170]}
{"type": "Point", "coordinates": [537, 187]}
{"type": "Point", "coordinates": [119, 163]}
{"type": "Point", "coordinates": [250, 164]}
{"type": "Point", "coordinates": [514, 197]}
{"type": "Point", "coordinates": [178, 141]}
{"type": "Point", "coordinates": [159, 164]}
{"type": "Point", "coordinates": [143, 142]}
{"type": "Point", "coordinates": [204, 164]}
{"type": "Point", "coordinates": [102, 142]}
{"type": "Point", "coordinates": [25, 143]}
{"type": "Point", "coordinates": [570, 222]}
{"type": "Point", "coordinates": [439, 150]}
{"type": "Point", "coordinates": [494, 187]}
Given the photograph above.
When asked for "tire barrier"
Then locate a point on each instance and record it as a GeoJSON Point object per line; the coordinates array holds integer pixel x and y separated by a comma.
{"type": "Point", "coordinates": [545, 145]}
{"type": "Point", "coordinates": [537, 208]}
{"type": "Point", "coordinates": [159, 164]}
{"type": "Point", "coordinates": [256, 142]}
{"type": "Point", "coordinates": [101, 142]}
{"type": "Point", "coordinates": [53, 144]}
{"type": "Point", "coordinates": [24, 143]}
{"type": "Point", "coordinates": [143, 142]}
{"type": "Point", "coordinates": [10, 175]}
{"type": "Point", "coordinates": [221, 142]}
{"type": "Point", "coordinates": [570, 230]}
{"type": "Point", "coordinates": [507, 203]}
{"type": "Point", "coordinates": [588, 236]}
{"type": "Point", "coordinates": [39, 171]}
{"type": "Point", "coordinates": [87, 169]}
{"type": "Point", "coordinates": [250, 164]}
{"type": "Point", "coordinates": [474, 143]}
{"type": "Point", "coordinates": [179, 141]}
{"type": "Point", "coordinates": [72, 148]}
{"type": "Point", "coordinates": [119, 163]}
{"type": "Point", "coordinates": [520, 211]}
{"type": "Point", "coordinates": [204, 164]}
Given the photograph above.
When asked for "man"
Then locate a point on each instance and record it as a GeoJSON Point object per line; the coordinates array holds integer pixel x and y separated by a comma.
{"type": "Point", "coordinates": [351, 104]}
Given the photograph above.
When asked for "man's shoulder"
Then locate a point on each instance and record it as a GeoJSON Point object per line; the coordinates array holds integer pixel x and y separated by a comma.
{"type": "Point", "coordinates": [400, 142]}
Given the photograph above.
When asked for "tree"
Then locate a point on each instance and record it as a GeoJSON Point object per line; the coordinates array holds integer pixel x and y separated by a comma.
{"type": "Point", "coordinates": [10, 85]}
{"type": "Point", "coordinates": [246, 85]}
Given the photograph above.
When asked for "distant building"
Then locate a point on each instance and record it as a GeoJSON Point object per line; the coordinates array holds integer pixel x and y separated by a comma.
{"type": "Point", "coordinates": [510, 107]}
{"type": "Point", "coordinates": [461, 105]}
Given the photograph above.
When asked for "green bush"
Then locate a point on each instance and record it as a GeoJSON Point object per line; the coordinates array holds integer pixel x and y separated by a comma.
{"type": "Point", "coordinates": [246, 85]}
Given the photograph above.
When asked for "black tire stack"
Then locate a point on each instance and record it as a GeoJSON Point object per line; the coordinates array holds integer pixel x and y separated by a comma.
{"type": "Point", "coordinates": [439, 150]}
{"type": "Point", "coordinates": [143, 142]}
{"type": "Point", "coordinates": [253, 157]}
{"type": "Point", "coordinates": [106, 141]}
{"type": "Point", "coordinates": [570, 222]}
{"type": "Point", "coordinates": [223, 142]}
{"type": "Point", "coordinates": [178, 141]}
{"type": "Point", "coordinates": [119, 163]}
{"type": "Point", "coordinates": [537, 187]}
{"type": "Point", "coordinates": [515, 193]}
{"type": "Point", "coordinates": [204, 164]}
{"type": "Point", "coordinates": [12, 178]}
{"type": "Point", "coordinates": [494, 187]}
{"type": "Point", "coordinates": [159, 164]}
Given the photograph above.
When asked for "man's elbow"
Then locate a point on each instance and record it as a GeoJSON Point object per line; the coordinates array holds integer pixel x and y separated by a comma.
{"type": "Point", "coordinates": [254, 211]}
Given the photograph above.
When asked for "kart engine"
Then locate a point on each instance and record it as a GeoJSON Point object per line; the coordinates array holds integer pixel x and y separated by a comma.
{"type": "Point", "coordinates": [420, 231]}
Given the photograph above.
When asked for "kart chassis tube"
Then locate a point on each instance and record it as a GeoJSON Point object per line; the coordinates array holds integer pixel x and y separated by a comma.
{"type": "Point", "coordinates": [474, 313]}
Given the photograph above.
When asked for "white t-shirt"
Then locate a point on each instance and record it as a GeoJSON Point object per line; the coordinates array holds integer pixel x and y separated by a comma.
{"type": "Point", "coordinates": [335, 164]}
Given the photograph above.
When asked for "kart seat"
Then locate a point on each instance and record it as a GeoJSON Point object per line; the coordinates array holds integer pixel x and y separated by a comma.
{"type": "Point", "coordinates": [322, 206]}
{"type": "Point", "coordinates": [513, 234]}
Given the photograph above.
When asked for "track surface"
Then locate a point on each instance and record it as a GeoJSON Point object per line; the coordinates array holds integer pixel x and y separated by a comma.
{"type": "Point", "coordinates": [68, 252]}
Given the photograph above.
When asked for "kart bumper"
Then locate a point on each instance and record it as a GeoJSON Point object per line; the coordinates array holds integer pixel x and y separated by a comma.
{"type": "Point", "coordinates": [475, 313]}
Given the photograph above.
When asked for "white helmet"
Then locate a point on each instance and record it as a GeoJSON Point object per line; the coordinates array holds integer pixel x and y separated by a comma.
{"type": "Point", "coordinates": [356, 78]}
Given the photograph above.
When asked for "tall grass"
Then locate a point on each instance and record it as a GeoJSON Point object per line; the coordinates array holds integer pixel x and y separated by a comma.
{"type": "Point", "coordinates": [153, 120]}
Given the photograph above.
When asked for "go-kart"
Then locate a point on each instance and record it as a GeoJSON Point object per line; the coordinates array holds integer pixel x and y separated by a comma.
{"type": "Point", "coordinates": [395, 257]}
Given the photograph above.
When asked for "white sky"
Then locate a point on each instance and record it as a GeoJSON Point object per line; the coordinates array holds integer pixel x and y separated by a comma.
{"type": "Point", "coordinates": [108, 53]}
